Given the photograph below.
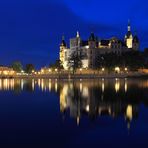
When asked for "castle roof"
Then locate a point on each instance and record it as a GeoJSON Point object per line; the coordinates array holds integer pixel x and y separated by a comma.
{"type": "Point", "coordinates": [63, 43]}
{"type": "Point", "coordinates": [135, 39]}
{"type": "Point", "coordinates": [92, 37]}
{"type": "Point", "coordinates": [104, 42]}
{"type": "Point", "coordinates": [129, 33]}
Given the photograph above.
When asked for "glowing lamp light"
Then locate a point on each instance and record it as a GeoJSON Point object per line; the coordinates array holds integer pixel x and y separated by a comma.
{"type": "Point", "coordinates": [103, 69]}
{"type": "Point", "coordinates": [56, 70]}
{"type": "Point", "coordinates": [49, 70]}
{"type": "Point", "coordinates": [42, 71]}
{"type": "Point", "coordinates": [117, 69]}
{"type": "Point", "coordinates": [80, 69]}
{"type": "Point", "coordinates": [125, 69]}
{"type": "Point", "coordinates": [5, 72]}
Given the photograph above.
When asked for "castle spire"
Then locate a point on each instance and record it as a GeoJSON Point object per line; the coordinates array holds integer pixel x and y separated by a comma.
{"type": "Point", "coordinates": [78, 35]}
{"type": "Point", "coordinates": [129, 25]}
{"type": "Point", "coordinates": [63, 37]}
{"type": "Point", "coordinates": [63, 41]}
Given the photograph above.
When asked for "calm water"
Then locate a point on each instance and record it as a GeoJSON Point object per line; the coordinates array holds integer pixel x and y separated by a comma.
{"type": "Point", "coordinates": [79, 113]}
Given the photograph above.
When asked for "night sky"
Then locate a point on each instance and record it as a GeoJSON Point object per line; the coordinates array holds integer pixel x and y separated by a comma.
{"type": "Point", "coordinates": [31, 30]}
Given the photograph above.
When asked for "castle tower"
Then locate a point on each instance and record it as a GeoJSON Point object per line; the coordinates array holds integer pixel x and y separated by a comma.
{"type": "Point", "coordinates": [135, 42]}
{"type": "Point", "coordinates": [63, 53]}
{"type": "Point", "coordinates": [129, 37]}
{"type": "Point", "coordinates": [91, 50]}
{"type": "Point", "coordinates": [62, 47]}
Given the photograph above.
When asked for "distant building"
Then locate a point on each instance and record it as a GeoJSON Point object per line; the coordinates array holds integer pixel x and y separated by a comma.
{"type": "Point", "coordinates": [93, 47]}
{"type": "Point", "coordinates": [6, 71]}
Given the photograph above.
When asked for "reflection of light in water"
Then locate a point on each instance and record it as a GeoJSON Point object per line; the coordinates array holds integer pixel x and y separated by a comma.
{"type": "Point", "coordinates": [39, 83]}
{"type": "Point", "coordinates": [81, 87]}
{"type": "Point", "coordinates": [22, 84]}
{"type": "Point", "coordinates": [103, 86]}
{"type": "Point", "coordinates": [12, 83]}
{"type": "Point", "coordinates": [42, 84]}
{"type": "Point", "coordinates": [85, 92]}
{"type": "Point", "coordinates": [125, 86]}
{"type": "Point", "coordinates": [129, 112]}
{"type": "Point", "coordinates": [56, 86]}
{"type": "Point", "coordinates": [104, 108]}
{"type": "Point", "coordinates": [117, 85]}
{"type": "Point", "coordinates": [129, 115]}
{"type": "Point", "coordinates": [0, 84]}
{"type": "Point", "coordinates": [5, 84]}
{"type": "Point", "coordinates": [78, 120]}
{"type": "Point", "coordinates": [33, 84]}
{"type": "Point", "coordinates": [63, 96]}
{"type": "Point", "coordinates": [71, 86]}
{"type": "Point", "coordinates": [49, 85]}
{"type": "Point", "coordinates": [87, 108]}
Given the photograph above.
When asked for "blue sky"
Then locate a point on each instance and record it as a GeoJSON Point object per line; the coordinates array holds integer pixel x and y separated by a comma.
{"type": "Point", "coordinates": [31, 30]}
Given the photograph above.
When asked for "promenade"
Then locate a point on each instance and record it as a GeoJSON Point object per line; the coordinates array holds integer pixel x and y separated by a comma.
{"type": "Point", "coordinates": [80, 76]}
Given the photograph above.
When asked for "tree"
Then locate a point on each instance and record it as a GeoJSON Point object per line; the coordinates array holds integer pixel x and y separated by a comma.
{"type": "Point", "coordinates": [132, 59]}
{"type": "Point", "coordinates": [75, 61]}
{"type": "Point", "coordinates": [57, 65]}
{"type": "Point", "coordinates": [29, 68]}
{"type": "Point", "coordinates": [17, 66]}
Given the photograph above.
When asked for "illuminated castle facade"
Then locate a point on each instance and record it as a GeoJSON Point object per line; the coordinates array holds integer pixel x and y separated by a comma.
{"type": "Point", "coordinates": [93, 47]}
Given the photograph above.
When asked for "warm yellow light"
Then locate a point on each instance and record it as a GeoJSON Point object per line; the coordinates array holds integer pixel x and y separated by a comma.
{"type": "Point", "coordinates": [56, 70]}
{"type": "Point", "coordinates": [129, 112]}
{"type": "Point", "coordinates": [42, 71]}
{"type": "Point", "coordinates": [103, 69]}
{"type": "Point", "coordinates": [87, 108]}
{"type": "Point", "coordinates": [125, 69]}
{"type": "Point", "coordinates": [32, 71]}
{"type": "Point", "coordinates": [117, 69]}
{"type": "Point", "coordinates": [80, 69]}
{"type": "Point", "coordinates": [5, 72]}
{"type": "Point", "coordinates": [49, 70]}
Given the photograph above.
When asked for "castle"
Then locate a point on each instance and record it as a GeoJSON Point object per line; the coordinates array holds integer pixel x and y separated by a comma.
{"type": "Point", "coordinates": [93, 47]}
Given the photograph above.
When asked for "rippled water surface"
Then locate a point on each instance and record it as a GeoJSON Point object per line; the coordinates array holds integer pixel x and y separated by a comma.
{"type": "Point", "coordinates": [74, 113]}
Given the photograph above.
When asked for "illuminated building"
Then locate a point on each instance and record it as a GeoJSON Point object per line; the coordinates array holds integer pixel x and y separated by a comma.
{"type": "Point", "coordinates": [90, 49]}
{"type": "Point", "coordinates": [6, 71]}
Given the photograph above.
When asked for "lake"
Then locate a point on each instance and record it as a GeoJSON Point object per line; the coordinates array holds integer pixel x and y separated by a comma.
{"type": "Point", "coordinates": [74, 113]}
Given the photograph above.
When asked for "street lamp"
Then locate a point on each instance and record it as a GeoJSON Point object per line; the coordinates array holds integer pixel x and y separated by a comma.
{"type": "Point", "coordinates": [126, 69]}
{"type": "Point", "coordinates": [117, 69]}
{"type": "Point", "coordinates": [103, 69]}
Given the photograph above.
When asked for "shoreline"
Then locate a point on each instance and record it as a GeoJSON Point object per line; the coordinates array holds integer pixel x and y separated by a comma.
{"type": "Point", "coordinates": [78, 76]}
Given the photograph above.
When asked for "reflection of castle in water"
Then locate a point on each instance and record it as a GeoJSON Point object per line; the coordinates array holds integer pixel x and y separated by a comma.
{"type": "Point", "coordinates": [114, 98]}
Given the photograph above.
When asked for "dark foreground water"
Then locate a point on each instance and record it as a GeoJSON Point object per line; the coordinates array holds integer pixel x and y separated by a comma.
{"type": "Point", "coordinates": [77, 113]}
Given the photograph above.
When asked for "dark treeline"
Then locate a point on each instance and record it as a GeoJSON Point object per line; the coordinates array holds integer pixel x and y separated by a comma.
{"type": "Point", "coordinates": [18, 67]}
{"type": "Point", "coordinates": [133, 60]}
